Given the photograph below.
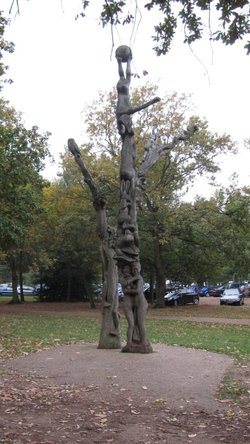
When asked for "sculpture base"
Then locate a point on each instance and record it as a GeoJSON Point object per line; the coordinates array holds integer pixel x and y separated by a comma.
{"type": "Point", "coordinates": [137, 348]}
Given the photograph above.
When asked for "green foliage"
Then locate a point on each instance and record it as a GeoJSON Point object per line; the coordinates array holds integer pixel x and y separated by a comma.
{"type": "Point", "coordinates": [186, 233]}
{"type": "Point", "coordinates": [230, 19]}
{"type": "Point", "coordinates": [207, 241]}
{"type": "Point", "coordinates": [4, 47]}
{"type": "Point", "coordinates": [22, 155]}
{"type": "Point", "coordinates": [65, 238]}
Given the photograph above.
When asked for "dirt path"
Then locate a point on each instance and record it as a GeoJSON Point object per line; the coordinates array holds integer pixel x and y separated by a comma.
{"type": "Point", "coordinates": [79, 394]}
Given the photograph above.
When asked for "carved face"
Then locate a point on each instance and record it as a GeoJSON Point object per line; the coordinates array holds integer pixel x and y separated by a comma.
{"type": "Point", "coordinates": [136, 268]}
{"type": "Point", "coordinates": [126, 271]}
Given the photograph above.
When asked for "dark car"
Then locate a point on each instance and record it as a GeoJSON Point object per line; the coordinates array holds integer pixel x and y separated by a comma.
{"type": "Point", "coordinates": [232, 296]}
{"type": "Point", "coordinates": [181, 297]}
{"type": "Point", "coordinates": [148, 292]}
{"type": "Point", "coordinates": [98, 291]}
{"type": "Point", "coordinates": [216, 291]}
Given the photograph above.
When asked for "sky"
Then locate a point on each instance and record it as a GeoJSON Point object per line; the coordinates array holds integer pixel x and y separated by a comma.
{"type": "Point", "coordinates": [60, 64]}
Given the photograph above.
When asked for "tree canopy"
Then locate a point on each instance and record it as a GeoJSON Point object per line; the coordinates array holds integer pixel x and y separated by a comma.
{"type": "Point", "coordinates": [223, 20]}
{"type": "Point", "coordinates": [227, 21]}
{"type": "Point", "coordinates": [5, 46]}
{"type": "Point", "coordinates": [22, 155]}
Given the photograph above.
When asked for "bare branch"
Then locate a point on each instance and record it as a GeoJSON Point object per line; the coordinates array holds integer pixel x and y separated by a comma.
{"type": "Point", "coordinates": [98, 198]}
{"type": "Point", "coordinates": [154, 151]}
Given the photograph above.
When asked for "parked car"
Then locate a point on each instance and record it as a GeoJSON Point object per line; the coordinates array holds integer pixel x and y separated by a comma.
{"type": "Point", "coordinates": [232, 296]}
{"type": "Point", "coordinates": [147, 292]}
{"type": "Point", "coordinates": [204, 291]}
{"type": "Point", "coordinates": [98, 291]}
{"type": "Point", "coordinates": [181, 297]}
{"type": "Point", "coordinates": [26, 290]}
{"type": "Point", "coordinates": [233, 284]}
{"type": "Point", "coordinates": [6, 290]}
{"type": "Point", "coordinates": [120, 292]}
{"type": "Point", "coordinates": [217, 291]}
{"type": "Point", "coordinates": [245, 289]}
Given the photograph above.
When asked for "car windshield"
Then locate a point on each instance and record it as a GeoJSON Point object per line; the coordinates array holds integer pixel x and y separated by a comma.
{"type": "Point", "coordinates": [231, 292]}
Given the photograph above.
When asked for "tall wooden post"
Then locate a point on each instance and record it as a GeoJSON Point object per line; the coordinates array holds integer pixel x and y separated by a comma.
{"type": "Point", "coordinates": [127, 245]}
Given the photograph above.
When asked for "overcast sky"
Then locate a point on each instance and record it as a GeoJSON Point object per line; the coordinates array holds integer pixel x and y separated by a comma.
{"type": "Point", "coordinates": [59, 64]}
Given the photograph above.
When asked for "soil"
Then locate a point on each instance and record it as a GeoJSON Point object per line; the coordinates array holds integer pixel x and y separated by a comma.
{"type": "Point", "coordinates": [79, 394]}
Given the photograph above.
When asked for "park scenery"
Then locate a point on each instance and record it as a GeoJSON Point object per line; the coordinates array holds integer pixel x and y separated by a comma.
{"type": "Point", "coordinates": [124, 301]}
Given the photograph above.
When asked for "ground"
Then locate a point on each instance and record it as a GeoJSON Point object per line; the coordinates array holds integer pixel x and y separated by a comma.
{"type": "Point", "coordinates": [79, 394]}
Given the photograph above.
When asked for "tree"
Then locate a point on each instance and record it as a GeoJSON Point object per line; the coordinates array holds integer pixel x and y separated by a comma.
{"type": "Point", "coordinates": [226, 21]}
{"type": "Point", "coordinates": [4, 47]}
{"type": "Point", "coordinates": [22, 155]}
{"type": "Point", "coordinates": [232, 228]}
{"type": "Point", "coordinates": [63, 241]}
{"type": "Point", "coordinates": [216, 233]}
{"type": "Point", "coordinates": [182, 158]}
{"type": "Point", "coordinates": [169, 158]}
{"type": "Point", "coordinates": [230, 19]}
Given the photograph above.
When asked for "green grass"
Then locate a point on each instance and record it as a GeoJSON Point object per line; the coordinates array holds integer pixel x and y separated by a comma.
{"type": "Point", "coordinates": [233, 389]}
{"type": "Point", "coordinates": [28, 298]}
{"type": "Point", "coordinates": [232, 340]}
{"type": "Point", "coordinates": [25, 333]}
{"type": "Point", "coordinates": [203, 310]}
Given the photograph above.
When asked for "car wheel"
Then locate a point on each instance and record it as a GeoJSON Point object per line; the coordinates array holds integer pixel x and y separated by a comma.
{"type": "Point", "coordinates": [175, 303]}
{"type": "Point", "coordinates": [196, 301]}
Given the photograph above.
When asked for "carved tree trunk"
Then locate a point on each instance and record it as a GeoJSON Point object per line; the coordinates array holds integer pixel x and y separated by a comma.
{"type": "Point", "coordinates": [110, 336]}
{"type": "Point", "coordinates": [126, 251]}
{"type": "Point", "coordinates": [127, 246]}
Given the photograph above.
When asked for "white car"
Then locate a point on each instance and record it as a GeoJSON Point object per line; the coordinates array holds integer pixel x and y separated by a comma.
{"type": "Point", "coordinates": [6, 290]}
{"type": "Point", "coordinates": [26, 290]}
{"type": "Point", "coordinates": [232, 296]}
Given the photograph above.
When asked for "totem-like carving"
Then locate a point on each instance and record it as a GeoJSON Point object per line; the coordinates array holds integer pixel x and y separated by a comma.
{"type": "Point", "coordinates": [127, 245]}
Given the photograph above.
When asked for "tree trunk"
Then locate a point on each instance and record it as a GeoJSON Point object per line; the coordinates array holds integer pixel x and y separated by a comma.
{"type": "Point", "coordinates": [110, 336]}
{"type": "Point", "coordinates": [160, 274]}
{"type": "Point", "coordinates": [21, 275]}
{"type": "Point", "coordinates": [14, 275]}
{"type": "Point", "coordinates": [152, 289]}
{"type": "Point", "coordinates": [91, 300]}
{"type": "Point", "coordinates": [69, 282]}
{"type": "Point", "coordinates": [127, 246]}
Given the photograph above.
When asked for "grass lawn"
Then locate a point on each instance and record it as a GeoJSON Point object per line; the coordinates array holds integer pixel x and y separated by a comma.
{"type": "Point", "coordinates": [23, 333]}
{"type": "Point", "coordinates": [29, 298]}
{"type": "Point", "coordinates": [203, 310]}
